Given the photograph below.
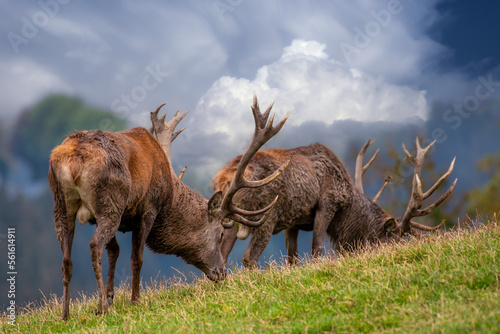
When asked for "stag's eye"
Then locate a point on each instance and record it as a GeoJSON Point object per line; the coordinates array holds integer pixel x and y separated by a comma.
{"type": "Point", "coordinates": [221, 236]}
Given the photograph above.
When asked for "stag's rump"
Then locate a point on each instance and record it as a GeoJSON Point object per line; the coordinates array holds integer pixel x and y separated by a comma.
{"type": "Point", "coordinates": [100, 170]}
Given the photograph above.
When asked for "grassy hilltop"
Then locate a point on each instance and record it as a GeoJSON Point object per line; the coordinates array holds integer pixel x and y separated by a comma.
{"type": "Point", "coordinates": [446, 282]}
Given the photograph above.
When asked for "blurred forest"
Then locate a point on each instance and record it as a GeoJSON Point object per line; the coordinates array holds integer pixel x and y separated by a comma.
{"type": "Point", "coordinates": [26, 200]}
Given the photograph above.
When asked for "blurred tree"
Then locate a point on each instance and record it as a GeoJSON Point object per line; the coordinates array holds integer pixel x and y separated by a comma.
{"type": "Point", "coordinates": [5, 158]}
{"type": "Point", "coordinates": [485, 200]}
{"type": "Point", "coordinates": [41, 128]}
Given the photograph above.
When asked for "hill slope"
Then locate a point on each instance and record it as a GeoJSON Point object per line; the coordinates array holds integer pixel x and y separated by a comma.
{"type": "Point", "coordinates": [446, 282]}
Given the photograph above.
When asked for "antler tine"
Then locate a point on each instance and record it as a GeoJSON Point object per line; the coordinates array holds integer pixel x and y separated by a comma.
{"type": "Point", "coordinates": [165, 130]}
{"type": "Point", "coordinates": [264, 131]}
{"type": "Point", "coordinates": [441, 180]}
{"type": "Point", "coordinates": [259, 183]}
{"type": "Point", "coordinates": [408, 154]}
{"type": "Point", "coordinates": [263, 124]}
{"type": "Point", "coordinates": [251, 223]}
{"type": "Point", "coordinates": [418, 159]}
{"type": "Point", "coordinates": [425, 227]}
{"type": "Point", "coordinates": [360, 169]}
{"type": "Point", "coordinates": [261, 119]}
{"type": "Point", "coordinates": [386, 182]}
{"type": "Point", "coordinates": [176, 134]}
{"type": "Point", "coordinates": [154, 118]}
{"type": "Point", "coordinates": [417, 195]}
{"type": "Point", "coordinates": [430, 208]}
{"type": "Point", "coordinates": [181, 174]}
{"type": "Point", "coordinates": [158, 109]}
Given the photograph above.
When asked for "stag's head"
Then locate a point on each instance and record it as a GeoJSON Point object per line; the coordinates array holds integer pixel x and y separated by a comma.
{"type": "Point", "coordinates": [220, 212]}
{"type": "Point", "coordinates": [394, 229]}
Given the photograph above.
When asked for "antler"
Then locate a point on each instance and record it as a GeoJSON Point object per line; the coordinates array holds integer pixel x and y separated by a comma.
{"type": "Point", "coordinates": [181, 174]}
{"type": "Point", "coordinates": [165, 131]}
{"type": "Point", "coordinates": [425, 227]}
{"type": "Point", "coordinates": [264, 131]}
{"type": "Point", "coordinates": [386, 182]}
{"type": "Point", "coordinates": [417, 195]}
{"type": "Point", "coordinates": [360, 169]}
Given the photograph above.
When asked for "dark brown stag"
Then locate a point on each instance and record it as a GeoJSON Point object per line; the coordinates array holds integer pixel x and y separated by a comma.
{"type": "Point", "coordinates": [123, 181]}
{"type": "Point", "coordinates": [316, 193]}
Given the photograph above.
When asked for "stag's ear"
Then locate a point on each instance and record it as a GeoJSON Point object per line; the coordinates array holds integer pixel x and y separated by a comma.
{"type": "Point", "coordinates": [390, 225]}
{"type": "Point", "coordinates": [214, 203]}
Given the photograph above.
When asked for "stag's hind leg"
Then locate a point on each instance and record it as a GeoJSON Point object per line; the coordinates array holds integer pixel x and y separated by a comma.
{"type": "Point", "coordinates": [113, 252]}
{"type": "Point", "coordinates": [65, 235]}
{"type": "Point", "coordinates": [65, 228]}
{"type": "Point", "coordinates": [105, 231]}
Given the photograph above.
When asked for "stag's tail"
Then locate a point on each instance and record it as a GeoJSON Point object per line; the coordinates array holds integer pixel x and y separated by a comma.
{"type": "Point", "coordinates": [66, 169]}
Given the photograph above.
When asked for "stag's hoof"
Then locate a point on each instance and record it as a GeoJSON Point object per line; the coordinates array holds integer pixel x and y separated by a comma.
{"type": "Point", "coordinates": [249, 264]}
{"type": "Point", "coordinates": [110, 298]}
{"type": "Point", "coordinates": [101, 310]}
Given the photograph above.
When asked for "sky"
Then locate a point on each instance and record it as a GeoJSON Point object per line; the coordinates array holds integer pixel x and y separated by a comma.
{"type": "Point", "coordinates": [321, 61]}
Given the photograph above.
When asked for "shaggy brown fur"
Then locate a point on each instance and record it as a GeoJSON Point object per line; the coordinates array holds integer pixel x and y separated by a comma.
{"type": "Point", "coordinates": [315, 193]}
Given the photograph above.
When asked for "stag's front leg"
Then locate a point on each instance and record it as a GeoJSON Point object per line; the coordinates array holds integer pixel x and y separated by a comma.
{"type": "Point", "coordinates": [291, 241]}
{"type": "Point", "coordinates": [139, 236]}
{"type": "Point", "coordinates": [228, 241]}
{"type": "Point", "coordinates": [113, 253]}
{"type": "Point", "coordinates": [258, 242]}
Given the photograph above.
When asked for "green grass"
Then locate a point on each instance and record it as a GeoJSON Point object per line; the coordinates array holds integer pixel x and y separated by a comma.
{"type": "Point", "coordinates": [447, 282]}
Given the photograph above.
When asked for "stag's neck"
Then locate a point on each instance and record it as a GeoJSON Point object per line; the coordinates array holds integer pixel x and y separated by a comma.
{"type": "Point", "coordinates": [186, 217]}
{"type": "Point", "coordinates": [361, 222]}
{"type": "Point", "coordinates": [187, 204]}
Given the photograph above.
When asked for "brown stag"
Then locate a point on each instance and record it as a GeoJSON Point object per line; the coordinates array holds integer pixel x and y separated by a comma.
{"type": "Point", "coordinates": [316, 193]}
{"type": "Point", "coordinates": [123, 181]}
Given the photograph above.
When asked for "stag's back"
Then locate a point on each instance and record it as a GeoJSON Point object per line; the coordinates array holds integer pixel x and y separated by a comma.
{"type": "Point", "coordinates": [314, 174]}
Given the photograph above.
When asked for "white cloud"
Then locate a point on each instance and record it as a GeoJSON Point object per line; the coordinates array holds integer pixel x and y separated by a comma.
{"type": "Point", "coordinates": [311, 50]}
{"type": "Point", "coordinates": [312, 87]}
{"type": "Point", "coordinates": [82, 42]}
{"type": "Point", "coordinates": [305, 81]}
{"type": "Point", "coordinates": [26, 82]}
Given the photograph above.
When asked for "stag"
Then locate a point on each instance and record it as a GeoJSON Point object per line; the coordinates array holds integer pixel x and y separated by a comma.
{"type": "Point", "coordinates": [124, 181]}
{"type": "Point", "coordinates": [316, 193]}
